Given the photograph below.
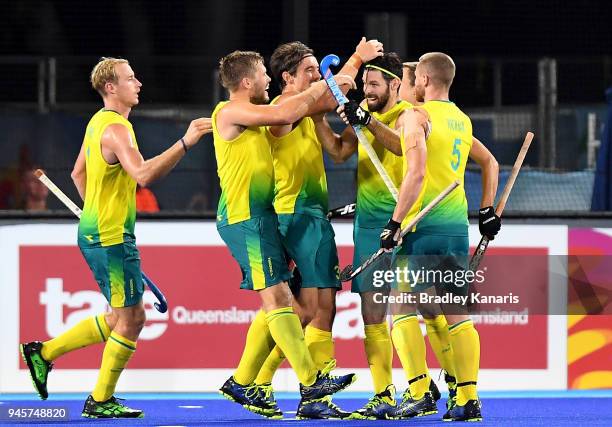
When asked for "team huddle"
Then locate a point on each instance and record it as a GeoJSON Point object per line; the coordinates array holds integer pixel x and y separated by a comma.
{"type": "Point", "coordinates": [273, 217]}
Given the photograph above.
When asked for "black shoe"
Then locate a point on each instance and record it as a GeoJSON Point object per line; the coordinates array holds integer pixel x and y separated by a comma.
{"type": "Point", "coordinates": [471, 411]}
{"type": "Point", "coordinates": [252, 397]}
{"type": "Point", "coordinates": [326, 384]}
{"type": "Point", "coordinates": [320, 409]}
{"type": "Point", "coordinates": [38, 366]}
{"type": "Point", "coordinates": [451, 383]}
{"type": "Point", "coordinates": [110, 408]}
{"type": "Point", "coordinates": [410, 407]}
{"type": "Point", "coordinates": [380, 407]}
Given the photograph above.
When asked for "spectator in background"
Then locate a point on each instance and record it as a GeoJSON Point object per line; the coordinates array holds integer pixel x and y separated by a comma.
{"type": "Point", "coordinates": [34, 193]}
{"type": "Point", "coordinates": [145, 200]}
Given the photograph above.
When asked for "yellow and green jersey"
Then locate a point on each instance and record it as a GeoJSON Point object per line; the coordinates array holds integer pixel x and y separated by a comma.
{"type": "Point", "coordinates": [448, 146]}
{"type": "Point", "coordinates": [109, 211]}
{"type": "Point", "coordinates": [246, 174]}
{"type": "Point", "coordinates": [375, 204]}
{"type": "Point", "coordinates": [300, 182]}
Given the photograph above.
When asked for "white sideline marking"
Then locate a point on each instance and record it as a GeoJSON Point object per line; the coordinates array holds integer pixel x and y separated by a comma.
{"type": "Point", "coordinates": [191, 406]}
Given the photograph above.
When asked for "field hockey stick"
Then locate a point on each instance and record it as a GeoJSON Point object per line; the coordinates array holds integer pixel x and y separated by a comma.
{"type": "Point", "coordinates": [162, 306]}
{"type": "Point", "coordinates": [326, 63]}
{"type": "Point", "coordinates": [484, 241]}
{"type": "Point", "coordinates": [342, 211]}
{"type": "Point", "coordinates": [348, 273]}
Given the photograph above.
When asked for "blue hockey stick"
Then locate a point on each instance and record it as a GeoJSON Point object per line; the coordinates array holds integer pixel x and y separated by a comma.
{"type": "Point", "coordinates": [326, 63]}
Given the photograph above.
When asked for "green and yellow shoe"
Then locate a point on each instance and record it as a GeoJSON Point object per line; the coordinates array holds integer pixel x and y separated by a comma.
{"type": "Point", "coordinates": [110, 408]}
{"type": "Point", "coordinates": [38, 366]}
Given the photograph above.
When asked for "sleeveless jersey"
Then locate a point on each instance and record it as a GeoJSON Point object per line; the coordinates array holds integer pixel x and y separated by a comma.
{"type": "Point", "coordinates": [300, 181]}
{"type": "Point", "coordinates": [109, 211]}
{"type": "Point", "coordinates": [448, 146]}
{"type": "Point", "coordinates": [246, 174]}
{"type": "Point", "coordinates": [375, 204]}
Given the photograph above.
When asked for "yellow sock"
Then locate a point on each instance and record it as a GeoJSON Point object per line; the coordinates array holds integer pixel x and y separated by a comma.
{"type": "Point", "coordinates": [287, 332]}
{"type": "Point", "coordinates": [88, 331]}
{"type": "Point", "coordinates": [270, 366]}
{"type": "Point", "coordinates": [410, 346]}
{"type": "Point", "coordinates": [258, 345]}
{"type": "Point", "coordinates": [379, 352]}
{"type": "Point", "coordinates": [437, 332]}
{"type": "Point", "coordinates": [466, 349]}
{"type": "Point", "coordinates": [320, 345]}
{"type": "Point", "coordinates": [117, 353]}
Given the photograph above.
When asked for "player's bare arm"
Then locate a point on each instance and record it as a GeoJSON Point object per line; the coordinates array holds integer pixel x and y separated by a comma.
{"type": "Point", "coordinates": [117, 146]}
{"type": "Point", "coordinates": [490, 171]}
{"type": "Point", "coordinates": [415, 125]}
{"type": "Point", "coordinates": [79, 173]}
{"type": "Point", "coordinates": [339, 147]}
{"type": "Point", "coordinates": [365, 51]}
{"type": "Point", "coordinates": [239, 114]}
{"type": "Point", "coordinates": [489, 222]}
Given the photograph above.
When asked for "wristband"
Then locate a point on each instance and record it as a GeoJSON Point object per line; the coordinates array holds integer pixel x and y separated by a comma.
{"type": "Point", "coordinates": [355, 61]}
{"type": "Point", "coordinates": [184, 145]}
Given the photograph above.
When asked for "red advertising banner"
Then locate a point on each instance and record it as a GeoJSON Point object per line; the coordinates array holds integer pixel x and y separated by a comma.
{"type": "Point", "coordinates": [209, 315]}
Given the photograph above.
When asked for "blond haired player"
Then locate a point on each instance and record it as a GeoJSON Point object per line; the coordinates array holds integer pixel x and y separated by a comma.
{"type": "Point", "coordinates": [248, 224]}
{"type": "Point", "coordinates": [106, 172]}
{"type": "Point", "coordinates": [437, 139]}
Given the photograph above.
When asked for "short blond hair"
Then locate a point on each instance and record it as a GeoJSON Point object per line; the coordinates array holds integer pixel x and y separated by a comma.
{"type": "Point", "coordinates": [439, 66]}
{"type": "Point", "coordinates": [236, 66]}
{"type": "Point", "coordinates": [104, 72]}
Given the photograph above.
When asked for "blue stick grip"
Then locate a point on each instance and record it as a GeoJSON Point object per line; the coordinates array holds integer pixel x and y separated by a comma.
{"type": "Point", "coordinates": [326, 63]}
{"type": "Point", "coordinates": [162, 306]}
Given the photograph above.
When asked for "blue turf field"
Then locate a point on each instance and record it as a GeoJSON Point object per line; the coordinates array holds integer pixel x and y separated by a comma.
{"type": "Point", "coordinates": [570, 408]}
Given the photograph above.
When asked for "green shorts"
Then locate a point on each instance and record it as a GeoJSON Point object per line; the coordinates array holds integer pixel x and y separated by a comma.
{"type": "Point", "coordinates": [367, 242]}
{"type": "Point", "coordinates": [433, 260]}
{"type": "Point", "coordinates": [256, 246]}
{"type": "Point", "coordinates": [116, 268]}
{"type": "Point", "coordinates": [310, 242]}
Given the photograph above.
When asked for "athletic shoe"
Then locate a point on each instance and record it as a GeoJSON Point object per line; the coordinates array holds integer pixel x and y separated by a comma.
{"type": "Point", "coordinates": [268, 392]}
{"type": "Point", "coordinates": [380, 407]}
{"type": "Point", "coordinates": [410, 407]}
{"type": "Point", "coordinates": [451, 383]}
{"type": "Point", "coordinates": [320, 409]}
{"type": "Point", "coordinates": [251, 397]}
{"type": "Point", "coordinates": [326, 384]}
{"type": "Point", "coordinates": [433, 389]}
{"type": "Point", "coordinates": [471, 411]}
{"type": "Point", "coordinates": [38, 366]}
{"type": "Point", "coordinates": [110, 408]}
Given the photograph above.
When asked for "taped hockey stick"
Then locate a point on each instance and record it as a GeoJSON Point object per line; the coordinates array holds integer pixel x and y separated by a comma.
{"type": "Point", "coordinates": [348, 273]}
{"type": "Point", "coordinates": [326, 63]}
{"type": "Point", "coordinates": [162, 306]}
{"type": "Point", "coordinates": [484, 241]}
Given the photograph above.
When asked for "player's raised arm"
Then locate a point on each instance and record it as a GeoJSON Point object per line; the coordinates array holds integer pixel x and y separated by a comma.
{"type": "Point", "coordinates": [294, 107]}
{"type": "Point", "coordinates": [415, 153]}
{"type": "Point", "coordinates": [339, 147]}
{"type": "Point", "coordinates": [117, 145]}
{"type": "Point", "coordinates": [488, 221]}
{"type": "Point", "coordinates": [365, 51]}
